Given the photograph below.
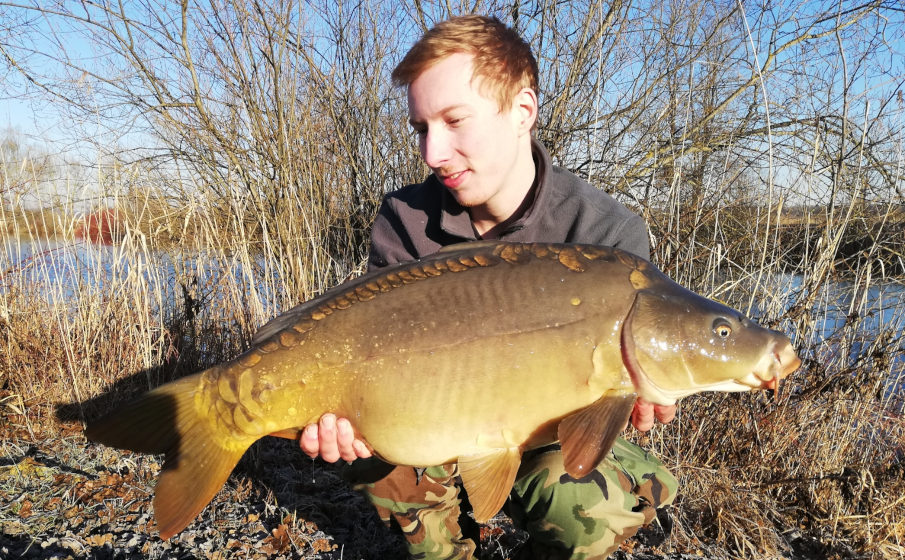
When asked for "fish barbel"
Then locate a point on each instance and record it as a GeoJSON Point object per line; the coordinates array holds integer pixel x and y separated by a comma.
{"type": "Point", "coordinates": [471, 355]}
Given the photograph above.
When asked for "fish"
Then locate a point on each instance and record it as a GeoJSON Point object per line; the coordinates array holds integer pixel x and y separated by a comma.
{"type": "Point", "coordinates": [472, 355]}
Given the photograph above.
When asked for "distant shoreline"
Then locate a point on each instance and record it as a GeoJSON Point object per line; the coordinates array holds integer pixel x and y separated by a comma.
{"type": "Point", "coordinates": [863, 238]}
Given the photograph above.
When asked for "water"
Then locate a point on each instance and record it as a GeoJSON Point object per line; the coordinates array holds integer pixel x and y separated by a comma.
{"type": "Point", "coordinates": [839, 303]}
{"type": "Point", "coordinates": [176, 288]}
{"type": "Point", "coordinates": [849, 318]}
{"type": "Point", "coordinates": [65, 266]}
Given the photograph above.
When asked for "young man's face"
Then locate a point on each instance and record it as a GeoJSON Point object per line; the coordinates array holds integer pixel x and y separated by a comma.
{"type": "Point", "coordinates": [478, 151]}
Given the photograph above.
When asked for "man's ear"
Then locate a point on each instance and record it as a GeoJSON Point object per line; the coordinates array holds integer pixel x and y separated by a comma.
{"type": "Point", "coordinates": [524, 107]}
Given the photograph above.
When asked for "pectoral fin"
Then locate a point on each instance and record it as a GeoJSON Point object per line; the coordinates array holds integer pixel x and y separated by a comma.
{"type": "Point", "coordinates": [588, 435]}
{"type": "Point", "coordinates": [488, 478]}
{"type": "Point", "coordinates": [288, 433]}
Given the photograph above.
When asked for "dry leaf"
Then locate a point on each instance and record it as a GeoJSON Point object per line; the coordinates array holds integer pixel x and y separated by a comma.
{"type": "Point", "coordinates": [100, 540]}
{"type": "Point", "coordinates": [322, 545]}
{"type": "Point", "coordinates": [278, 541]}
{"type": "Point", "coordinates": [25, 509]}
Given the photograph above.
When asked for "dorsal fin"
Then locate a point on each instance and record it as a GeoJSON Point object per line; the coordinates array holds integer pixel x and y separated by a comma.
{"type": "Point", "coordinates": [385, 278]}
{"type": "Point", "coordinates": [469, 245]}
{"type": "Point", "coordinates": [288, 319]}
{"type": "Point", "coordinates": [472, 254]}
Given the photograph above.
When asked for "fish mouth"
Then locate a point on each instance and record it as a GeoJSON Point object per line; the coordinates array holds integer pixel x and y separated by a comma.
{"type": "Point", "coordinates": [782, 362]}
{"type": "Point", "coordinates": [776, 366]}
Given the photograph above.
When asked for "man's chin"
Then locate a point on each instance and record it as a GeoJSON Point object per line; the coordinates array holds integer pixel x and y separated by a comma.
{"type": "Point", "coordinates": [464, 199]}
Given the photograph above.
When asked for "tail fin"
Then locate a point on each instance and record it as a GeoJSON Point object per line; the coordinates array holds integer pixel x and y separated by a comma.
{"type": "Point", "coordinates": [195, 466]}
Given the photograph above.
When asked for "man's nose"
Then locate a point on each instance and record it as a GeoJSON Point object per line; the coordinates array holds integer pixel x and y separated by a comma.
{"type": "Point", "coordinates": [435, 148]}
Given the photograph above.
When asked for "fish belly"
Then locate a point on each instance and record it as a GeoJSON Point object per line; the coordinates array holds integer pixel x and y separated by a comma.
{"type": "Point", "coordinates": [428, 408]}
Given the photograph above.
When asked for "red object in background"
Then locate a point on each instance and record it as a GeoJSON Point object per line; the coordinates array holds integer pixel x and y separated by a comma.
{"type": "Point", "coordinates": [100, 227]}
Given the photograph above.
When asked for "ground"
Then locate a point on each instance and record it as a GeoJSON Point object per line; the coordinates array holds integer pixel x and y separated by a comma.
{"type": "Point", "coordinates": [63, 497]}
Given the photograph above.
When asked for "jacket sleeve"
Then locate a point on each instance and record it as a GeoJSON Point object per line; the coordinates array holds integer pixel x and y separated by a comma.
{"type": "Point", "coordinates": [390, 243]}
{"type": "Point", "coordinates": [610, 224]}
{"type": "Point", "coordinates": [634, 237]}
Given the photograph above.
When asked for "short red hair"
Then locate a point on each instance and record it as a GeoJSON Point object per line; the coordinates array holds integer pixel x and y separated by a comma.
{"type": "Point", "coordinates": [502, 59]}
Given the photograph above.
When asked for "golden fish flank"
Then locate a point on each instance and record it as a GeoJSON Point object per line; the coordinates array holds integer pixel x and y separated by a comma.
{"type": "Point", "coordinates": [593, 325]}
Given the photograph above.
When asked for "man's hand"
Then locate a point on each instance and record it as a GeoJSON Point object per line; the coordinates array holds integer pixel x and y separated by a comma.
{"type": "Point", "coordinates": [644, 413]}
{"type": "Point", "coordinates": [332, 439]}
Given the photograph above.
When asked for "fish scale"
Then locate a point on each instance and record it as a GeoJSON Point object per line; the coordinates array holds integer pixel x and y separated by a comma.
{"type": "Point", "coordinates": [471, 355]}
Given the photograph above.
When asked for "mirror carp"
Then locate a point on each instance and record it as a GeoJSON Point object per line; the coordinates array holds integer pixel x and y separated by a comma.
{"type": "Point", "coordinates": [471, 355]}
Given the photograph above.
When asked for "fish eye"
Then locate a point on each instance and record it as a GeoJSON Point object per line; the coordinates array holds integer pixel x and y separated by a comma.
{"type": "Point", "coordinates": [722, 328]}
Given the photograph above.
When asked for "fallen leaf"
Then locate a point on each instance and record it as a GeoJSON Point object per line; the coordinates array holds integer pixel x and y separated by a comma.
{"type": "Point", "coordinates": [25, 508]}
{"type": "Point", "coordinates": [278, 541]}
{"type": "Point", "coordinates": [100, 540]}
{"type": "Point", "coordinates": [322, 545]}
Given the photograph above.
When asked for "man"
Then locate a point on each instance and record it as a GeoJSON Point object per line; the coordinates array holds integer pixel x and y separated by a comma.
{"type": "Point", "coordinates": [472, 100]}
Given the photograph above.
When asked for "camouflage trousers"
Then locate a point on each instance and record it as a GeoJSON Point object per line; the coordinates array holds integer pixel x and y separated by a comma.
{"type": "Point", "coordinates": [564, 517]}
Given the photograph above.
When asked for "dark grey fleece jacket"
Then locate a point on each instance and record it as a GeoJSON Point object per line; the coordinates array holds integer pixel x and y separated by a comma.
{"type": "Point", "coordinates": [417, 220]}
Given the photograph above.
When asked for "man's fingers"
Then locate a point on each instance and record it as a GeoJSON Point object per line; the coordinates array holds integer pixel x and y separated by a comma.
{"type": "Point", "coordinates": [329, 447]}
{"type": "Point", "coordinates": [309, 443]}
{"type": "Point", "coordinates": [643, 415]}
{"type": "Point", "coordinates": [345, 437]}
{"type": "Point", "coordinates": [665, 413]}
{"type": "Point", "coordinates": [361, 450]}
{"type": "Point", "coordinates": [349, 447]}
{"type": "Point", "coordinates": [332, 439]}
